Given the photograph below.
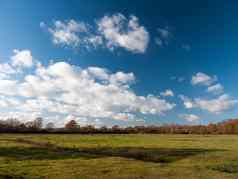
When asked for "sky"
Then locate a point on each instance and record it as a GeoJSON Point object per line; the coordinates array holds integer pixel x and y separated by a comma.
{"type": "Point", "coordinates": [118, 62]}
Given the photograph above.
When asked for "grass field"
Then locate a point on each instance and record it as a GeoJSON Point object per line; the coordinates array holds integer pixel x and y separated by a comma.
{"type": "Point", "coordinates": [118, 156]}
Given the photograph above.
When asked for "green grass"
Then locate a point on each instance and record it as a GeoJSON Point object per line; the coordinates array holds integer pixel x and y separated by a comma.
{"type": "Point", "coordinates": [118, 156]}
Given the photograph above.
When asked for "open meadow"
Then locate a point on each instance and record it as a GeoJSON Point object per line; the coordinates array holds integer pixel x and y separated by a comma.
{"type": "Point", "coordinates": [134, 156]}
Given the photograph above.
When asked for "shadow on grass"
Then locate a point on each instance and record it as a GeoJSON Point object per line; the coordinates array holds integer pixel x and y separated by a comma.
{"type": "Point", "coordinates": [11, 176]}
{"type": "Point", "coordinates": [41, 151]}
{"type": "Point", "coordinates": [226, 168]}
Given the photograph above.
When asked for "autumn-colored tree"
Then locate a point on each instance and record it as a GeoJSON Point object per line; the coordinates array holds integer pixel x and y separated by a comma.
{"type": "Point", "coordinates": [71, 125]}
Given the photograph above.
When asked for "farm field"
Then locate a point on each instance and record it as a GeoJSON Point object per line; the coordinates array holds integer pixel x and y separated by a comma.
{"type": "Point", "coordinates": [134, 156]}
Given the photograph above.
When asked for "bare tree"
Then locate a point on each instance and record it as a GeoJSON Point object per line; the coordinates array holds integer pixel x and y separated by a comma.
{"type": "Point", "coordinates": [38, 123]}
{"type": "Point", "coordinates": [49, 125]}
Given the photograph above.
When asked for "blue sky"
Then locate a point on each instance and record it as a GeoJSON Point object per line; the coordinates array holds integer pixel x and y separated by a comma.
{"type": "Point", "coordinates": [153, 62]}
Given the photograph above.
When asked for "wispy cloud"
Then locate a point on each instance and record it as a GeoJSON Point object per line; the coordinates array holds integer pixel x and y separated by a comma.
{"type": "Point", "coordinates": [186, 47]}
{"type": "Point", "coordinates": [189, 117]}
{"type": "Point", "coordinates": [215, 89]}
{"type": "Point", "coordinates": [179, 79]}
{"type": "Point", "coordinates": [203, 79]}
{"type": "Point", "coordinates": [167, 92]}
{"type": "Point", "coordinates": [163, 37]}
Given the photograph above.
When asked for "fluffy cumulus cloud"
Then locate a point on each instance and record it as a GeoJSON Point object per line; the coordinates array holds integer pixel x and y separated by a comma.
{"type": "Point", "coordinates": [6, 70]}
{"type": "Point", "coordinates": [167, 92]}
{"type": "Point", "coordinates": [188, 103]}
{"type": "Point", "coordinates": [22, 58]}
{"type": "Point", "coordinates": [63, 90]}
{"type": "Point", "coordinates": [222, 102]}
{"type": "Point", "coordinates": [189, 117]}
{"type": "Point", "coordinates": [109, 32]}
{"type": "Point", "coordinates": [119, 31]}
{"type": "Point", "coordinates": [203, 79]}
{"type": "Point", "coordinates": [215, 105]}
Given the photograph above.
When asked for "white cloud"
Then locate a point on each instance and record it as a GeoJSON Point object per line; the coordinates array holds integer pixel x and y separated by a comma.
{"type": "Point", "coordinates": [215, 89]}
{"type": "Point", "coordinates": [217, 105]}
{"type": "Point", "coordinates": [99, 73]}
{"type": "Point", "coordinates": [203, 79]}
{"type": "Point", "coordinates": [122, 78]}
{"type": "Point", "coordinates": [22, 116]}
{"type": "Point", "coordinates": [68, 32]}
{"type": "Point", "coordinates": [22, 58]}
{"type": "Point", "coordinates": [6, 70]}
{"type": "Point", "coordinates": [8, 87]}
{"type": "Point", "coordinates": [61, 89]}
{"type": "Point", "coordinates": [109, 31]}
{"type": "Point", "coordinates": [167, 92]}
{"type": "Point", "coordinates": [189, 117]}
{"type": "Point", "coordinates": [73, 34]}
{"type": "Point", "coordinates": [119, 31]}
{"type": "Point", "coordinates": [124, 116]}
{"type": "Point", "coordinates": [8, 102]}
{"type": "Point", "coordinates": [188, 103]}
{"type": "Point", "coordinates": [94, 40]}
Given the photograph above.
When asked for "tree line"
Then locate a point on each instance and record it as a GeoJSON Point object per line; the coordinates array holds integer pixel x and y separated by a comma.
{"type": "Point", "coordinates": [13, 125]}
